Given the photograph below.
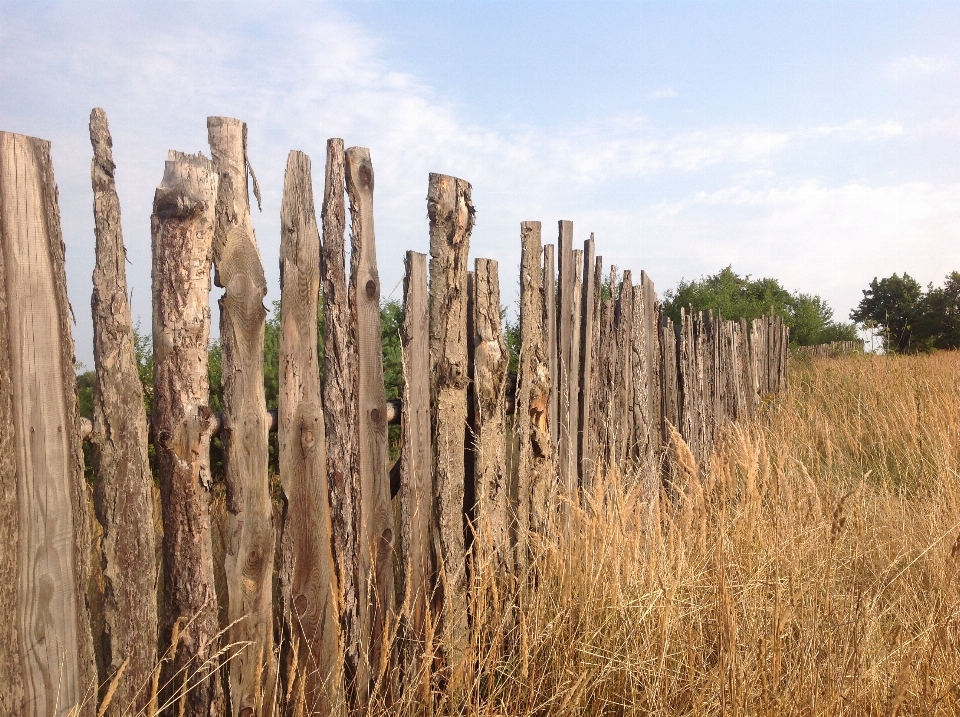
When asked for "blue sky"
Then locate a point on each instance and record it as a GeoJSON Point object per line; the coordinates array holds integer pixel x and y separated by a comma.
{"type": "Point", "coordinates": [815, 142]}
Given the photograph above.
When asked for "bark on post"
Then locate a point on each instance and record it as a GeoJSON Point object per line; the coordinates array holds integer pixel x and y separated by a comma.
{"type": "Point", "coordinates": [250, 538]}
{"type": "Point", "coordinates": [537, 464]}
{"type": "Point", "coordinates": [376, 512]}
{"type": "Point", "coordinates": [123, 498]}
{"type": "Point", "coordinates": [490, 383]}
{"type": "Point", "coordinates": [47, 653]}
{"type": "Point", "coordinates": [587, 323]}
{"type": "Point", "coordinates": [416, 478]}
{"type": "Point", "coordinates": [550, 337]}
{"type": "Point", "coordinates": [310, 589]}
{"type": "Point", "coordinates": [183, 225]}
{"type": "Point", "coordinates": [340, 414]}
{"type": "Point", "coordinates": [451, 215]}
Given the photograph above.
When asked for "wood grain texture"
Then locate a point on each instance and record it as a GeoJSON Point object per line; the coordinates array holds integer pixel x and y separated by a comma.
{"type": "Point", "coordinates": [623, 380]}
{"type": "Point", "coordinates": [568, 377]}
{"type": "Point", "coordinates": [123, 496]}
{"type": "Point", "coordinates": [550, 338]}
{"type": "Point", "coordinates": [250, 533]}
{"type": "Point", "coordinates": [596, 414]}
{"type": "Point", "coordinates": [489, 386]}
{"type": "Point", "coordinates": [537, 458]}
{"type": "Point", "coordinates": [605, 402]}
{"type": "Point", "coordinates": [311, 590]}
{"type": "Point", "coordinates": [416, 477]}
{"type": "Point", "coordinates": [451, 213]}
{"type": "Point", "coordinates": [341, 422]}
{"type": "Point", "coordinates": [182, 227]}
{"type": "Point", "coordinates": [669, 389]}
{"type": "Point", "coordinates": [587, 324]}
{"type": "Point", "coordinates": [54, 644]}
{"type": "Point", "coordinates": [376, 512]}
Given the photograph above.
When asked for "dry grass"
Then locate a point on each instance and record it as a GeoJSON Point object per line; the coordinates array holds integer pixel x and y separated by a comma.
{"type": "Point", "coordinates": [811, 569]}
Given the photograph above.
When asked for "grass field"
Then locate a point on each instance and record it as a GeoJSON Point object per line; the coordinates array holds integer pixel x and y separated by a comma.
{"type": "Point", "coordinates": [810, 569]}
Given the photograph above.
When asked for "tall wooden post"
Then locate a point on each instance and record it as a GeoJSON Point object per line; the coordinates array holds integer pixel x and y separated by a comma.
{"type": "Point", "coordinates": [587, 324]}
{"type": "Point", "coordinates": [46, 654]}
{"type": "Point", "coordinates": [183, 225]}
{"type": "Point", "coordinates": [376, 523]}
{"type": "Point", "coordinates": [550, 338]}
{"type": "Point", "coordinates": [123, 496]}
{"type": "Point", "coordinates": [416, 477]}
{"type": "Point", "coordinates": [623, 382]}
{"type": "Point", "coordinates": [535, 448]}
{"type": "Point", "coordinates": [309, 580]}
{"type": "Point", "coordinates": [569, 374]}
{"type": "Point", "coordinates": [451, 213]}
{"type": "Point", "coordinates": [250, 531]}
{"type": "Point", "coordinates": [340, 422]}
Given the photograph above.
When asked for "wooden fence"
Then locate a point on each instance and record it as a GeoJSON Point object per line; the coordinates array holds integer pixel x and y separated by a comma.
{"type": "Point", "coordinates": [368, 581]}
{"type": "Point", "coordinates": [832, 350]}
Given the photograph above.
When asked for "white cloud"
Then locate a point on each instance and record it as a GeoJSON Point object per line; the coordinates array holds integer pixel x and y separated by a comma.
{"type": "Point", "coordinates": [920, 65]}
{"type": "Point", "coordinates": [665, 93]}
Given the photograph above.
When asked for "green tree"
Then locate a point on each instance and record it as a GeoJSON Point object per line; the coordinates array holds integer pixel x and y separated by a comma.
{"type": "Point", "coordinates": [937, 322]}
{"type": "Point", "coordinates": [737, 297]}
{"type": "Point", "coordinates": [893, 303]}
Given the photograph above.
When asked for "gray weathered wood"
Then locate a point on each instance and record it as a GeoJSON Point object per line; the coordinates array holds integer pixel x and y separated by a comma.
{"type": "Point", "coordinates": [123, 496]}
{"type": "Point", "coordinates": [341, 426]}
{"type": "Point", "coordinates": [550, 338]}
{"type": "Point", "coordinates": [569, 371]}
{"type": "Point", "coordinates": [50, 652]}
{"type": "Point", "coordinates": [587, 324]}
{"type": "Point", "coordinates": [489, 387]}
{"type": "Point", "coordinates": [416, 475]}
{"type": "Point", "coordinates": [623, 385]}
{"type": "Point", "coordinates": [311, 591]}
{"type": "Point", "coordinates": [669, 390]}
{"type": "Point", "coordinates": [606, 408]}
{"type": "Point", "coordinates": [250, 534]}
{"type": "Point", "coordinates": [376, 522]}
{"type": "Point", "coordinates": [183, 225]}
{"type": "Point", "coordinates": [592, 429]}
{"type": "Point", "coordinates": [451, 213]}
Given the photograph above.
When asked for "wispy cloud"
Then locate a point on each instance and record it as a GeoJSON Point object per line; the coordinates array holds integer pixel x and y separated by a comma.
{"type": "Point", "coordinates": [665, 93]}
{"type": "Point", "coordinates": [920, 65]}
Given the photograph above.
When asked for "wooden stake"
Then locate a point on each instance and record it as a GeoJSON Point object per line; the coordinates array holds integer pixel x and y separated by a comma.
{"type": "Point", "coordinates": [550, 338]}
{"type": "Point", "coordinates": [311, 590]}
{"type": "Point", "coordinates": [50, 656]}
{"type": "Point", "coordinates": [250, 538]}
{"type": "Point", "coordinates": [587, 325]}
{"type": "Point", "coordinates": [341, 423]}
{"type": "Point", "coordinates": [123, 496]}
{"type": "Point", "coordinates": [451, 223]}
{"type": "Point", "coordinates": [376, 511]}
{"type": "Point", "coordinates": [183, 225]}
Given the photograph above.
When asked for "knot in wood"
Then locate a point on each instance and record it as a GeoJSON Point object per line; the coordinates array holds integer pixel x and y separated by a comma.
{"type": "Point", "coordinates": [371, 289]}
{"type": "Point", "coordinates": [366, 175]}
{"type": "Point", "coordinates": [307, 439]}
{"type": "Point", "coordinates": [375, 416]}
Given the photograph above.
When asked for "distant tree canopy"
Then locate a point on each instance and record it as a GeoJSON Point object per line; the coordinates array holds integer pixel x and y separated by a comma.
{"type": "Point", "coordinates": [910, 319]}
{"type": "Point", "coordinates": [736, 297]}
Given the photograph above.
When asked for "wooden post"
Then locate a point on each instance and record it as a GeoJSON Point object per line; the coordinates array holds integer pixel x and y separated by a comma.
{"type": "Point", "coordinates": [647, 428]}
{"type": "Point", "coordinates": [341, 423]}
{"type": "Point", "coordinates": [669, 390]}
{"type": "Point", "coordinates": [47, 650]}
{"type": "Point", "coordinates": [623, 385]}
{"type": "Point", "coordinates": [605, 398]}
{"type": "Point", "coordinates": [310, 587]}
{"type": "Point", "coordinates": [416, 479]}
{"type": "Point", "coordinates": [489, 387]}
{"type": "Point", "coordinates": [569, 373]}
{"type": "Point", "coordinates": [250, 538]}
{"type": "Point", "coordinates": [587, 327]}
{"type": "Point", "coordinates": [451, 215]}
{"type": "Point", "coordinates": [535, 465]}
{"type": "Point", "coordinates": [123, 496]}
{"type": "Point", "coordinates": [550, 338]}
{"type": "Point", "coordinates": [183, 224]}
{"type": "Point", "coordinates": [376, 524]}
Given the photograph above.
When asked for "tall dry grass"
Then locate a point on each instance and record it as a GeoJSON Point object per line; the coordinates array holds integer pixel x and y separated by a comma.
{"type": "Point", "coordinates": [811, 568]}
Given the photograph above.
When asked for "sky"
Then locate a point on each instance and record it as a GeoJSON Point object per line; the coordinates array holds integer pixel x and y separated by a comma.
{"type": "Point", "coordinates": [814, 142]}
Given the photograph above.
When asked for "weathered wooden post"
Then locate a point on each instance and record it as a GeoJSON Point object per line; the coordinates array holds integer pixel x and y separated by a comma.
{"type": "Point", "coordinates": [623, 378]}
{"type": "Point", "coordinates": [588, 326]}
{"type": "Point", "coordinates": [123, 496]}
{"type": "Point", "coordinates": [416, 479]}
{"type": "Point", "coordinates": [250, 533]}
{"type": "Point", "coordinates": [489, 388]}
{"type": "Point", "coordinates": [183, 224]}
{"type": "Point", "coordinates": [341, 426]}
{"type": "Point", "coordinates": [376, 512]}
{"type": "Point", "coordinates": [569, 373]}
{"type": "Point", "coordinates": [46, 650]}
{"type": "Point", "coordinates": [550, 338]}
{"type": "Point", "coordinates": [451, 215]}
{"type": "Point", "coordinates": [308, 580]}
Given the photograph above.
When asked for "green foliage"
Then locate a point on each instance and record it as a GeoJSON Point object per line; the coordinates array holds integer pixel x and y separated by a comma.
{"type": "Point", "coordinates": [737, 297]}
{"type": "Point", "coordinates": [911, 320]}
